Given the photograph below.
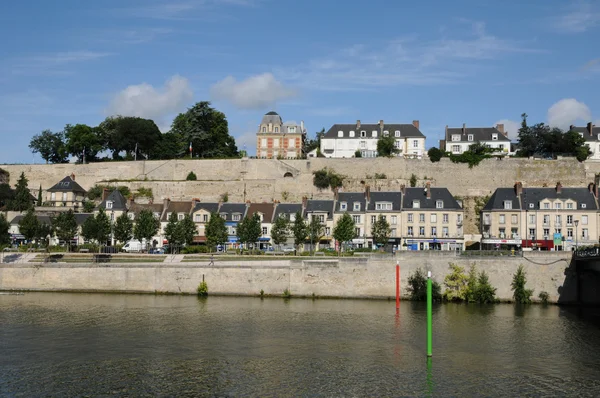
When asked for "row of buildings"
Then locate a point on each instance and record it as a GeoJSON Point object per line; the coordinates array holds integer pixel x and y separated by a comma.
{"type": "Point", "coordinates": [420, 218]}
{"type": "Point", "coordinates": [278, 139]}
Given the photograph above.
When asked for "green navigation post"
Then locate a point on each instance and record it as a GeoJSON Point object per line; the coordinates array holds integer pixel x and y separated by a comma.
{"type": "Point", "coordinates": [429, 316]}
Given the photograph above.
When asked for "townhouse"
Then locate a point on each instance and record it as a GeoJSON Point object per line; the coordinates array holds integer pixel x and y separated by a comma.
{"type": "Point", "coordinates": [265, 212]}
{"type": "Point", "coordinates": [592, 138]}
{"type": "Point", "coordinates": [541, 218]}
{"type": "Point", "coordinates": [323, 211]}
{"type": "Point", "coordinates": [232, 213]}
{"type": "Point", "coordinates": [201, 213]}
{"type": "Point", "coordinates": [458, 140]}
{"type": "Point", "coordinates": [389, 206]}
{"type": "Point", "coordinates": [66, 193]}
{"type": "Point", "coordinates": [355, 204]}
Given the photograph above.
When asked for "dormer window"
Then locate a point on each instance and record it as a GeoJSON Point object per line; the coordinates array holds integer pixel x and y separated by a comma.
{"type": "Point", "coordinates": [386, 133]}
{"type": "Point", "coordinates": [343, 206]}
{"type": "Point", "coordinates": [507, 204]}
{"type": "Point", "coordinates": [340, 133]}
{"type": "Point", "coordinates": [130, 215]}
{"type": "Point", "coordinates": [264, 129]}
{"type": "Point", "coordinates": [383, 206]}
{"type": "Point", "coordinates": [224, 216]}
{"type": "Point", "coordinates": [236, 217]}
{"type": "Point", "coordinates": [416, 204]}
{"type": "Point", "coordinates": [455, 137]}
{"type": "Point", "coordinates": [583, 205]}
{"type": "Point", "coordinates": [439, 204]}
{"type": "Point", "coordinates": [356, 206]}
{"type": "Point", "coordinates": [397, 133]}
{"type": "Point", "coordinates": [363, 133]}
{"type": "Point", "coordinates": [581, 134]}
{"type": "Point", "coordinates": [277, 129]}
{"type": "Point", "coordinates": [558, 205]}
{"type": "Point", "coordinates": [374, 135]}
{"type": "Point", "coordinates": [598, 137]}
{"type": "Point", "coordinates": [531, 205]}
{"type": "Point", "coordinates": [495, 137]}
{"type": "Point", "coordinates": [156, 214]}
{"type": "Point", "coordinates": [352, 133]}
{"type": "Point", "coordinates": [291, 130]}
{"type": "Point", "coordinates": [470, 137]}
{"type": "Point", "coordinates": [109, 204]}
{"type": "Point", "coordinates": [180, 216]}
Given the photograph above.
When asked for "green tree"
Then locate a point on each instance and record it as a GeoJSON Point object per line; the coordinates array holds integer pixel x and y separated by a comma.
{"type": "Point", "coordinates": [343, 231]}
{"type": "Point", "coordinates": [22, 197]}
{"type": "Point", "coordinates": [123, 228]}
{"type": "Point", "coordinates": [135, 136]}
{"type": "Point", "coordinates": [358, 153]}
{"type": "Point", "coordinates": [472, 285]}
{"type": "Point", "coordinates": [168, 147]}
{"type": "Point", "coordinates": [146, 226]}
{"type": "Point", "coordinates": [280, 231]}
{"type": "Point", "coordinates": [485, 292]}
{"type": "Point", "coordinates": [88, 206]}
{"type": "Point", "coordinates": [299, 230]}
{"type": "Point", "coordinates": [456, 283]}
{"type": "Point", "coordinates": [215, 231]}
{"type": "Point", "coordinates": [312, 144]}
{"type": "Point", "coordinates": [65, 227]}
{"type": "Point", "coordinates": [83, 142]}
{"type": "Point", "coordinates": [386, 146]}
{"type": "Point", "coordinates": [417, 287]}
{"type": "Point", "coordinates": [435, 154]}
{"type": "Point", "coordinates": [89, 229]}
{"type": "Point", "coordinates": [413, 180]}
{"type": "Point", "coordinates": [51, 146]}
{"type": "Point", "coordinates": [207, 130]}
{"type": "Point", "coordinates": [521, 294]}
{"type": "Point", "coordinates": [327, 178]}
{"type": "Point", "coordinates": [315, 232]}
{"type": "Point", "coordinates": [4, 228]}
{"type": "Point", "coordinates": [380, 231]}
{"type": "Point", "coordinates": [29, 225]}
{"type": "Point", "coordinates": [103, 227]}
{"type": "Point", "coordinates": [7, 195]}
{"type": "Point", "coordinates": [186, 230]}
{"type": "Point", "coordinates": [527, 141]}
{"type": "Point", "coordinates": [191, 176]}
{"type": "Point", "coordinates": [44, 233]}
{"type": "Point", "coordinates": [39, 198]}
{"type": "Point", "coordinates": [172, 232]}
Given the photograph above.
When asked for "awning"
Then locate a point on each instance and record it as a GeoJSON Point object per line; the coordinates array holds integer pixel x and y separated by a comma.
{"type": "Point", "coordinates": [502, 241]}
{"type": "Point", "coordinates": [232, 239]}
{"type": "Point", "coordinates": [17, 236]}
{"type": "Point", "coordinates": [264, 239]}
{"type": "Point", "coordinates": [199, 239]}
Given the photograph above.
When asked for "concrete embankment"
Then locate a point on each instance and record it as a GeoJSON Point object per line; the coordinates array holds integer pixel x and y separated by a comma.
{"type": "Point", "coordinates": [323, 277]}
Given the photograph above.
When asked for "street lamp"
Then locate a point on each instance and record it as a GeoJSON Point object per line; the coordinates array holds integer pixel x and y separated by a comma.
{"type": "Point", "coordinates": [112, 228]}
{"type": "Point", "coordinates": [576, 237]}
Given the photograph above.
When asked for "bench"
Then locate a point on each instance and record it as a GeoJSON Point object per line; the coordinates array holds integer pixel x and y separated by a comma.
{"type": "Point", "coordinates": [84, 250]}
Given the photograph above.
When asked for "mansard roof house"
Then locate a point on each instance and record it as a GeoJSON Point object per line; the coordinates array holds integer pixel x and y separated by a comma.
{"type": "Point", "coordinates": [458, 140]}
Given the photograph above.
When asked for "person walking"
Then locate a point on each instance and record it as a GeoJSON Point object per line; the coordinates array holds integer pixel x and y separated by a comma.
{"type": "Point", "coordinates": [212, 260]}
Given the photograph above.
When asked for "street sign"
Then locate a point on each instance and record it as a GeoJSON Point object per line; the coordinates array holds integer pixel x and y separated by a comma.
{"type": "Point", "coordinates": [557, 239]}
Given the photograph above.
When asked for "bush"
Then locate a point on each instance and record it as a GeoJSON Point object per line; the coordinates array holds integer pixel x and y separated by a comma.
{"type": "Point", "coordinates": [544, 297]}
{"type": "Point", "coordinates": [484, 292]}
{"type": "Point", "coordinates": [380, 176]}
{"type": "Point", "coordinates": [144, 192]}
{"type": "Point", "coordinates": [326, 178]}
{"type": "Point", "coordinates": [456, 284]}
{"type": "Point", "coordinates": [202, 289]}
{"type": "Point", "coordinates": [191, 176]}
{"type": "Point", "coordinates": [521, 294]}
{"type": "Point", "coordinates": [286, 293]}
{"type": "Point", "coordinates": [435, 154]}
{"type": "Point", "coordinates": [57, 249]}
{"type": "Point", "coordinates": [224, 197]}
{"type": "Point", "coordinates": [417, 287]}
{"type": "Point", "coordinates": [413, 180]}
{"type": "Point", "coordinates": [358, 154]}
{"type": "Point", "coordinates": [195, 249]}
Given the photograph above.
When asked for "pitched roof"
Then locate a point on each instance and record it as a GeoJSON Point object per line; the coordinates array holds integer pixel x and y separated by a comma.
{"type": "Point", "coordinates": [136, 208]}
{"type": "Point", "coordinates": [232, 208]}
{"type": "Point", "coordinates": [394, 197]}
{"type": "Point", "coordinates": [287, 208]}
{"type": "Point", "coordinates": [350, 198]}
{"type": "Point", "coordinates": [67, 184]}
{"type": "Point", "coordinates": [406, 130]}
{"type": "Point", "coordinates": [479, 134]}
{"type": "Point", "coordinates": [443, 194]}
{"type": "Point", "coordinates": [266, 209]}
{"type": "Point", "coordinates": [209, 207]}
{"type": "Point", "coordinates": [174, 206]}
{"type": "Point", "coordinates": [119, 202]}
{"type": "Point", "coordinates": [313, 206]}
{"type": "Point", "coordinates": [531, 198]}
{"type": "Point", "coordinates": [586, 133]}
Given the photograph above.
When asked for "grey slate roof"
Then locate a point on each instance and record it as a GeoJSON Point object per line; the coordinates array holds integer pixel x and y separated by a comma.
{"type": "Point", "coordinates": [350, 198]}
{"type": "Point", "coordinates": [406, 130]}
{"type": "Point", "coordinates": [210, 207]}
{"type": "Point", "coordinates": [479, 134]}
{"type": "Point", "coordinates": [67, 184]}
{"type": "Point", "coordinates": [535, 195]}
{"type": "Point", "coordinates": [394, 197]}
{"type": "Point", "coordinates": [586, 134]}
{"type": "Point", "coordinates": [230, 208]}
{"type": "Point", "coordinates": [320, 206]}
{"type": "Point", "coordinates": [287, 209]}
{"type": "Point", "coordinates": [175, 206]}
{"type": "Point", "coordinates": [47, 219]}
{"type": "Point", "coordinates": [136, 208]}
{"type": "Point", "coordinates": [119, 202]}
{"type": "Point", "coordinates": [436, 194]}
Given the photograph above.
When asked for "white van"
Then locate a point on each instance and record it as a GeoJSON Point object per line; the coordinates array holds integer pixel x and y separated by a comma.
{"type": "Point", "coordinates": [133, 246]}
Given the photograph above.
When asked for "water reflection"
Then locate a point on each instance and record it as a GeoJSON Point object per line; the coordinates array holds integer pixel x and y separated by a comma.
{"type": "Point", "coordinates": [132, 345]}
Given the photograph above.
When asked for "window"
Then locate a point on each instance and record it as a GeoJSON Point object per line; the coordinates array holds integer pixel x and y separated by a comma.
{"type": "Point", "coordinates": [455, 148]}
{"type": "Point", "coordinates": [433, 231]}
{"type": "Point", "coordinates": [224, 216]}
{"type": "Point", "coordinates": [532, 219]}
{"type": "Point", "coordinates": [502, 232]}
{"type": "Point", "coordinates": [340, 133]}
{"type": "Point", "coordinates": [168, 215]}
{"type": "Point", "coordinates": [327, 231]}
{"type": "Point", "coordinates": [584, 220]}
{"type": "Point", "coordinates": [410, 231]}
{"type": "Point", "coordinates": [421, 217]}
{"type": "Point", "coordinates": [156, 215]}
{"type": "Point", "coordinates": [501, 219]}
{"type": "Point", "coordinates": [433, 218]}
{"type": "Point", "coordinates": [264, 129]}
{"type": "Point", "coordinates": [236, 217]}
{"type": "Point", "coordinates": [356, 219]}
{"type": "Point", "coordinates": [363, 144]}
{"type": "Point", "coordinates": [546, 233]}
{"type": "Point", "coordinates": [569, 232]}
{"type": "Point", "coordinates": [583, 205]}
{"type": "Point", "coordinates": [275, 142]}
{"type": "Point", "coordinates": [196, 217]}
{"type": "Point", "coordinates": [53, 196]}
{"type": "Point", "coordinates": [374, 134]}
{"type": "Point", "coordinates": [415, 143]}
{"type": "Point", "coordinates": [410, 217]}
{"type": "Point", "coordinates": [383, 206]}
{"type": "Point", "coordinates": [393, 233]}
{"type": "Point", "coordinates": [546, 219]}
{"type": "Point", "coordinates": [64, 196]}
{"type": "Point", "coordinates": [569, 220]}
{"type": "Point", "coordinates": [277, 129]}
{"type": "Point", "coordinates": [569, 205]}
{"type": "Point", "coordinates": [531, 205]}
{"type": "Point", "coordinates": [291, 142]}
{"type": "Point", "coordinates": [421, 231]}
{"type": "Point", "coordinates": [513, 219]}
{"type": "Point", "coordinates": [292, 217]}
{"type": "Point", "coordinates": [352, 133]}
{"type": "Point", "coordinates": [557, 205]}
{"type": "Point", "coordinates": [494, 137]}
{"type": "Point", "coordinates": [112, 216]}
{"type": "Point", "coordinates": [584, 233]}
{"type": "Point", "coordinates": [546, 205]}
{"type": "Point", "coordinates": [386, 133]}
{"type": "Point", "coordinates": [398, 144]}
{"type": "Point", "coordinates": [514, 233]}
{"type": "Point", "coordinates": [343, 206]}
{"type": "Point", "coordinates": [397, 133]}
{"type": "Point", "coordinates": [357, 231]}
{"type": "Point", "coordinates": [180, 216]}
{"type": "Point", "coordinates": [205, 217]}
{"type": "Point", "coordinates": [264, 230]}
{"type": "Point", "coordinates": [109, 204]}
{"type": "Point", "coordinates": [373, 219]}
{"type": "Point", "coordinates": [321, 218]}
{"type": "Point", "coordinates": [363, 133]}
{"type": "Point", "coordinates": [292, 130]}
{"type": "Point", "coordinates": [455, 137]}
{"type": "Point", "coordinates": [532, 233]}
{"type": "Point", "coordinates": [356, 206]}
{"type": "Point", "coordinates": [394, 220]}
{"type": "Point", "coordinates": [470, 137]}
{"type": "Point", "coordinates": [439, 204]}
{"type": "Point", "coordinates": [501, 147]}
{"type": "Point", "coordinates": [416, 204]}
{"type": "Point", "coordinates": [508, 204]}
{"type": "Point", "coordinates": [445, 232]}
{"type": "Point", "coordinates": [263, 142]}
{"type": "Point", "coordinates": [445, 218]}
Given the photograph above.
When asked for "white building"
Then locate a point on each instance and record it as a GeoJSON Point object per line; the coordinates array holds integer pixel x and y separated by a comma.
{"type": "Point", "coordinates": [343, 140]}
{"type": "Point", "coordinates": [458, 140]}
{"type": "Point", "coordinates": [592, 139]}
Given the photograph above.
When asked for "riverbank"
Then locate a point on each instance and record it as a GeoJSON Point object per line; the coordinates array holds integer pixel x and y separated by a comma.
{"type": "Point", "coordinates": [362, 278]}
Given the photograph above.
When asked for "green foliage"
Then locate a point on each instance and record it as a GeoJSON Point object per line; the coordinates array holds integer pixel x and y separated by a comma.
{"type": "Point", "coordinates": [88, 206]}
{"type": "Point", "coordinates": [128, 134]}
{"type": "Point", "coordinates": [358, 153]}
{"type": "Point", "coordinates": [413, 180]}
{"type": "Point", "coordinates": [456, 283]}
{"type": "Point", "coordinates": [7, 195]}
{"type": "Point", "coordinates": [195, 249]}
{"type": "Point", "coordinates": [299, 230]}
{"type": "Point", "coordinates": [327, 178]}
{"type": "Point", "coordinates": [191, 176]}
{"type": "Point", "coordinates": [4, 228]}
{"type": "Point", "coordinates": [544, 297]}
{"type": "Point", "coordinates": [435, 154]}
{"type": "Point", "coordinates": [417, 287]}
{"type": "Point", "coordinates": [386, 146]}
{"type": "Point", "coordinates": [286, 293]}
{"type": "Point", "coordinates": [280, 230]}
{"type": "Point", "coordinates": [65, 226]}
{"type": "Point", "coordinates": [474, 288]}
{"type": "Point", "coordinates": [169, 147]}
{"type": "Point", "coordinates": [315, 231]}
{"type": "Point", "coordinates": [39, 197]}
{"type": "Point", "coordinates": [123, 228]}
{"type": "Point", "coordinates": [521, 294]}
{"type": "Point", "coordinates": [215, 231]}
{"type": "Point", "coordinates": [224, 197]}
{"type": "Point", "coordinates": [480, 203]}
{"type": "Point", "coordinates": [171, 231]}
{"type": "Point", "coordinates": [146, 225]}
{"type": "Point", "coordinates": [312, 144]}
{"type": "Point", "coordinates": [380, 176]}
{"type": "Point", "coordinates": [22, 199]}
{"type": "Point", "coordinates": [249, 230]}
{"type": "Point", "coordinates": [380, 231]}
{"type": "Point", "coordinates": [95, 193]}
{"type": "Point", "coordinates": [343, 231]}
{"type": "Point", "coordinates": [97, 228]}
{"type": "Point", "coordinates": [484, 292]}
{"type": "Point", "coordinates": [186, 230]}
{"type": "Point", "coordinates": [202, 289]}
{"type": "Point", "coordinates": [144, 192]}
{"type": "Point", "coordinates": [51, 146]}
{"type": "Point", "coordinates": [476, 153]}
{"type": "Point", "coordinates": [29, 225]}
{"type": "Point", "coordinates": [83, 141]}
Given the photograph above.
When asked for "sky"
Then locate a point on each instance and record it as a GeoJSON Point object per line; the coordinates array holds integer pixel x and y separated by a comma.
{"type": "Point", "coordinates": [479, 62]}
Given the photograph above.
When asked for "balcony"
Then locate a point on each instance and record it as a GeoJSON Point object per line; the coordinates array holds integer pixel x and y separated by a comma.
{"type": "Point", "coordinates": [459, 223]}
{"type": "Point", "coordinates": [486, 221]}
{"type": "Point", "coordinates": [557, 224]}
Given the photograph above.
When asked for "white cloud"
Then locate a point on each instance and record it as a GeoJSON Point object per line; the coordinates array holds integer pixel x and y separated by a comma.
{"type": "Point", "coordinates": [144, 100]}
{"type": "Point", "coordinates": [255, 92]}
{"type": "Point", "coordinates": [53, 63]}
{"type": "Point", "coordinates": [511, 127]}
{"type": "Point", "coordinates": [581, 16]}
{"type": "Point", "coordinates": [183, 9]}
{"type": "Point", "coordinates": [566, 112]}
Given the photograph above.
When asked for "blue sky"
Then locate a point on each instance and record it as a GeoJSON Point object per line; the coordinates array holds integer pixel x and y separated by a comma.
{"type": "Point", "coordinates": [477, 62]}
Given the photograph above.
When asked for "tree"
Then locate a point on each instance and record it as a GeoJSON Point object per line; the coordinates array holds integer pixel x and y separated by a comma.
{"type": "Point", "coordinates": [521, 294]}
{"type": "Point", "coordinates": [325, 178]}
{"type": "Point", "coordinates": [83, 142]}
{"type": "Point", "coordinates": [88, 206]}
{"type": "Point", "coordinates": [171, 231]}
{"type": "Point", "coordinates": [315, 231]}
{"type": "Point", "coordinates": [103, 227]}
{"type": "Point", "coordinates": [413, 180]}
{"type": "Point", "coordinates": [435, 154]}
{"type": "Point", "coordinates": [29, 225]}
{"type": "Point", "coordinates": [310, 145]}
{"type": "Point", "coordinates": [65, 227]}
{"type": "Point", "coordinates": [280, 231]}
{"type": "Point", "coordinates": [343, 231]}
{"type": "Point", "coordinates": [133, 135]}
{"type": "Point", "coordinates": [485, 292]}
{"type": "Point", "coordinates": [22, 197]}
{"type": "Point", "coordinates": [380, 231]}
{"type": "Point", "coordinates": [527, 141]}
{"type": "Point", "coordinates": [88, 228]}
{"type": "Point", "coordinates": [186, 230]}
{"type": "Point", "coordinates": [123, 228]}
{"type": "Point", "coordinates": [39, 198]}
{"type": "Point", "coordinates": [215, 231]}
{"type": "Point", "coordinates": [146, 226]}
{"type": "Point", "coordinates": [299, 230]}
{"type": "Point", "coordinates": [44, 233]}
{"type": "Point", "coordinates": [7, 195]}
{"type": "Point", "coordinates": [207, 130]}
{"type": "Point", "coordinates": [168, 147]}
{"type": "Point", "coordinates": [51, 146]}
{"type": "Point", "coordinates": [386, 146]}
{"type": "Point", "coordinates": [4, 228]}
{"type": "Point", "coordinates": [191, 176]}
{"type": "Point", "coordinates": [358, 153]}
{"type": "Point", "coordinates": [249, 230]}
{"type": "Point", "coordinates": [456, 283]}
{"type": "Point", "coordinates": [417, 287]}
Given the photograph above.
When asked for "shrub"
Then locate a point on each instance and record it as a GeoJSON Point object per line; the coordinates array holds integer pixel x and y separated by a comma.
{"type": "Point", "coordinates": [225, 197]}
{"type": "Point", "coordinates": [202, 289]}
{"type": "Point", "coordinates": [485, 292]}
{"type": "Point", "coordinates": [521, 294]}
{"type": "Point", "coordinates": [262, 293]}
{"type": "Point", "coordinates": [327, 178]}
{"type": "Point", "coordinates": [435, 154]}
{"type": "Point", "coordinates": [456, 284]}
{"type": "Point", "coordinates": [191, 176]}
{"type": "Point", "coordinates": [417, 287]}
{"type": "Point", "coordinates": [413, 180]}
{"type": "Point", "coordinates": [195, 249]}
{"type": "Point", "coordinates": [144, 192]}
{"type": "Point", "coordinates": [88, 206]}
{"type": "Point", "coordinates": [358, 154]}
{"type": "Point", "coordinates": [380, 176]}
{"type": "Point", "coordinates": [286, 293]}
{"type": "Point", "coordinates": [544, 297]}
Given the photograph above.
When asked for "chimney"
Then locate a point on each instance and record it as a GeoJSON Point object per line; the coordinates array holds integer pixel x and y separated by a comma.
{"type": "Point", "coordinates": [105, 193]}
{"type": "Point", "coordinates": [403, 189]}
{"type": "Point", "coordinates": [304, 203]}
{"type": "Point", "coordinates": [416, 123]}
{"type": "Point", "coordinates": [428, 189]}
{"type": "Point", "coordinates": [558, 187]}
{"type": "Point", "coordinates": [195, 201]}
{"type": "Point", "coordinates": [500, 128]}
{"type": "Point", "coordinates": [358, 124]}
{"type": "Point", "coordinates": [590, 128]}
{"type": "Point", "coordinates": [367, 193]}
{"type": "Point", "coordinates": [464, 129]}
{"type": "Point", "coordinates": [166, 202]}
{"type": "Point", "coordinates": [595, 191]}
{"type": "Point", "coordinates": [302, 126]}
{"type": "Point", "coordinates": [381, 124]}
{"type": "Point", "coordinates": [518, 188]}
{"type": "Point", "coordinates": [131, 201]}
{"type": "Point", "coordinates": [335, 193]}
{"type": "Point", "coordinates": [73, 176]}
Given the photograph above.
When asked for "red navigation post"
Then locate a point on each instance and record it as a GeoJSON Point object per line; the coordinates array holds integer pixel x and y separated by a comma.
{"type": "Point", "coordinates": [397, 285]}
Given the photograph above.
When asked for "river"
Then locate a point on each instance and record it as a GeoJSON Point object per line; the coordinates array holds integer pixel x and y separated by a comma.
{"type": "Point", "coordinates": [55, 344]}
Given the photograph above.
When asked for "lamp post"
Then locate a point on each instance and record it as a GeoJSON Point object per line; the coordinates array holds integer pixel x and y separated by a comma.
{"type": "Point", "coordinates": [576, 237]}
{"type": "Point", "coordinates": [112, 228]}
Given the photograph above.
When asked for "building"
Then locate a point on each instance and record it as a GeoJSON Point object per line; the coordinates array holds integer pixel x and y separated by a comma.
{"type": "Point", "coordinates": [232, 213]}
{"type": "Point", "coordinates": [432, 219]}
{"type": "Point", "coordinates": [133, 212]}
{"type": "Point", "coordinates": [458, 140]}
{"type": "Point", "coordinates": [181, 208]}
{"type": "Point", "coordinates": [265, 211]}
{"type": "Point", "coordinates": [323, 210]}
{"type": "Point", "coordinates": [278, 139]}
{"type": "Point", "coordinates": [288, 211]}
{"type": "Point", "coordinates": [201, 213]}
{"type": "Point", "coordinates": [355, 204]}
{"type": "Point", "coordinates": [45, 217]}
{"type": "Point", "coordinates": [343, 140]}
{"type": "Point", "coordinates": [389, 206]}
{"type": "Point", "coordinates": [592, 139]}
{"type": "Point", "coordinates": [66, 193]}
{"type": "Point", "coordinates": [544, 218]}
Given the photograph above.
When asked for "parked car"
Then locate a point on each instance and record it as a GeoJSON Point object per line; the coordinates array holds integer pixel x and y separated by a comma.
{"type": "Point", "coordinates": [133, 246]}
{"type": "Point", "coordinates": [156, 250]}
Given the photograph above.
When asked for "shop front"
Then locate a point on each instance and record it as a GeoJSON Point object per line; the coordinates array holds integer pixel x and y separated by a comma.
{"type": "Point", "coordinates": [433, 244]}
